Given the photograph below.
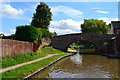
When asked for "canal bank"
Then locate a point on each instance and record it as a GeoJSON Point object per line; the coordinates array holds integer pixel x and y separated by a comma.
{"type": "Point", "coordinates": [25, 70]}
{"type": "Point", "coordinates": [43, 68]}
{"type": "Point", "coordinates": [36, 67]}
{"type": "Point", "coordinates": [81, 66]}
{"type": "Point", "coordinates": [91, 51]}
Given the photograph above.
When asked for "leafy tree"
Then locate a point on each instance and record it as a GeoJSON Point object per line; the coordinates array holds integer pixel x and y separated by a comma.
{"type": "Point", "coordinates": [42, 17]}
{"type": "Point", "coordinates": [43, 32]}
{"type": "Point", "coordinates": [53, 34]}
{"type": "Point", "coordinates": [27, 33]}
{"type": "Point", "coordinates": [94, 26]}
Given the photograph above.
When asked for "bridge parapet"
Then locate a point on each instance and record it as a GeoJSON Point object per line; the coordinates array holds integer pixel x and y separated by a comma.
{"type": "Point", "coordinates": [99, 40]}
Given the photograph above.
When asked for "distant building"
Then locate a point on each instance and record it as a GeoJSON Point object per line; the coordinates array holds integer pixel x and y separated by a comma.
{"type": "Point", "coordinates": [114, 27]}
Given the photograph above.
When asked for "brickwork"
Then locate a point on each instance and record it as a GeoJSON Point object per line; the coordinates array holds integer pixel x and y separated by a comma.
{"type": "Point", "coordinates": [118, 42]}
{"type": "Point", "coordinates": [100, 41]}
{"type": "Point", "coordinates": [9, 47]}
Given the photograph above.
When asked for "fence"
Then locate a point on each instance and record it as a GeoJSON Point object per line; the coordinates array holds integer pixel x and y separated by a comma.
{"type": "Point", "coordinates": [9, 47]}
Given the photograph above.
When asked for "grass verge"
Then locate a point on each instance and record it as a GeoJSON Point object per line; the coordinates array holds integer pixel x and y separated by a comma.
{"type": "Point", "coordinates": [24, 57]}
{"type": "Point", "coordinates": [27, 69]}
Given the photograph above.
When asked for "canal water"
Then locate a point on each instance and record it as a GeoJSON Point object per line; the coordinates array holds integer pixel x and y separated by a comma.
{"type": "Point", "coordinates": [82, 66]}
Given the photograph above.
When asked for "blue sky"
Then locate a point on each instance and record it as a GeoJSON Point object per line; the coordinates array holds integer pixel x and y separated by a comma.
{"type": "Point", "coordinates": [67, 16]}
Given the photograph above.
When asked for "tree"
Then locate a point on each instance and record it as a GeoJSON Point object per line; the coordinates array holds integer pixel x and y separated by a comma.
{"type": "Point", "coordinates": [42, 17]}
{"type": "Point", "coordinates": [53, 34]}
{"type": "Point", "coordinates": [27, 33]}
{"type": "Point", "coordinates": [94, 26]}
{"type": "Point", "coordinates": [43, 32]}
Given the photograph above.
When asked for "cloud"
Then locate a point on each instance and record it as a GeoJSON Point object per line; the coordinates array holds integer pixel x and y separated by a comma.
{"type": "Point", "coordinates": [7, 34]}
{"type": "Point", "coordinates": [7, 10]}
{"type": "Point", "coordinates": [65, 26]}
{"type": "Point", "coordinates": [105, 12]}
{"type": "Point", "coordinates": [12, 30]}
{"type": "Point", "coordinates": [29, 20]}
{"type": "Point", "coordinates": [70, 26]}
{"type": "Point", "coordinates": [108, 20]}
{"type": "Point", "coordinates": [61, 32]}
{"type": "Point", "coordinates": [67, 11]}
{"type": "Point", "coordinates": [95, 8]}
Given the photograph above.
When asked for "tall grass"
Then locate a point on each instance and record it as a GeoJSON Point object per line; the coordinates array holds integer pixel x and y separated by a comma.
{"type": "Point", "coordinates": [29, 68]}
{"type": "Point", "coordinates": [24, 57]}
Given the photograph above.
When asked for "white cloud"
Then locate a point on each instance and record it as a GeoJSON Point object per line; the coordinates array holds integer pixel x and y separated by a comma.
{"type": "Point", "coordinates": [65, 26]}
{"type": "Point", "coordinates": [67, 11]}
{"type": "Point", "coordinates": [12, 30]}
{"type": "Point", "coordinates": [108, 20]}
{"type": "Point", "coordinates": [7, 10]}
{"type": "Point", "coordinates": [61, 32]}
{"type": "Point", "coordinates": [105, 12]}
{"type": "Point", "coordinates": [70, 26]}
{"type": "Point", "coordinates": [95, 8]}
{"type": "Point", "coordinates": [7, 34]}
{"type": "Point", "coordinates": [30, 20]}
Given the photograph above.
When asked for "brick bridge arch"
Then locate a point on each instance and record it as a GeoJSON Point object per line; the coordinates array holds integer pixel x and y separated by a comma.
{"type": "Point", "coordinates": [79, 41]}
{"type": "Point", "coordinates": [100, 41]}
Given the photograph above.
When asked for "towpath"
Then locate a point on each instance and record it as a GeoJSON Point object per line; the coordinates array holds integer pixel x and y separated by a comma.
{"type": "Point", "coordinates": [29, 62]}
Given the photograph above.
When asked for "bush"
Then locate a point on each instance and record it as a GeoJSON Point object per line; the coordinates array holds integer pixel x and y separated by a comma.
{"type": "Point", "coordinates": [9, 37]}
{"type": "Point", "coordinates": [87, 45]}
{"type": "Point", "coordinates": [27, 33]}
{"type": "Point", "coordinates": [44, 33]}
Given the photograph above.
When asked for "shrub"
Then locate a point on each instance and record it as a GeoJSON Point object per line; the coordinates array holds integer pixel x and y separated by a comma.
{"type": "Point", "coordinates": [9, 37]}
{"type": "Point", "coordinates": [44, 32]}
{"type": "Point", "coordinates": [27, 33]}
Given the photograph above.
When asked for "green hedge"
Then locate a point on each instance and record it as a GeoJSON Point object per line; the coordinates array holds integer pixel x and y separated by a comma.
{"type": "Point", "coordinates": [9, 37]}
{"type": "Point", "coordinates": [44, 32]}
{"type": "Point", "coordinates": [27, 33]}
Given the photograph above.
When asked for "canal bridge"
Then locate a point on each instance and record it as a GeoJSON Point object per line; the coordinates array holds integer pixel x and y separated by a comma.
{"type": "Point", "coordinates": [103, 42]}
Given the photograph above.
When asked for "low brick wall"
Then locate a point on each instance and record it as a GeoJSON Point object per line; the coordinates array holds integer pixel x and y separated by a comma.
{"type": "Point", "coordinates": [9, 47]}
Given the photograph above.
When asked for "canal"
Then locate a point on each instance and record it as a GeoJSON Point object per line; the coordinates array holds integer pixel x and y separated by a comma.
{"type": "Point", "coordinates": [82, 66]}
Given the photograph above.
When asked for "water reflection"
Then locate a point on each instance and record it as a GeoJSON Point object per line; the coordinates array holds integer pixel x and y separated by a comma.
{"type": "Point", "coordinates": [84, 66]}
{"type": "Point", "coordinates": [77, 59]}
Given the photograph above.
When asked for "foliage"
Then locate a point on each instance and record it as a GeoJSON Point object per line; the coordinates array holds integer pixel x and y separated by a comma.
{"type": "Point", "coordinates": [94, 26]}
{"type": "Point", "coordinates": [9, 37]}
{"type": "Point", "coordinates": [21, 58]}
{"type": "Point", "coordinates": [43, 32]}
{"type": "Point", "coordinates": [53, 34]}
{"type": "Point", "coordinates": [30, 68]}
{"type": "Point", "coordinates": [27, 33]}
{"type": "Point", "coordinates": [87, 45]}
{"type": "Point", "coordinates": [42, 17]}
{"type": "Point", "coordinates": [50, 50]}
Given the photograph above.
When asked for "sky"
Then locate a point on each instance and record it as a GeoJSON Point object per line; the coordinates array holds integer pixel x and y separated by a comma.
{"type": "Point", "coordinates": [67, 16]}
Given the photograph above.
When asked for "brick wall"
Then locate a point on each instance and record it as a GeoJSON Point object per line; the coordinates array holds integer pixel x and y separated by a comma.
{"type": "Point", "coordinates": [9, 47]}
{"type": "Point", "coordinates": [116, 30]}
{"type": "Point", "coordinates": [118, 41]}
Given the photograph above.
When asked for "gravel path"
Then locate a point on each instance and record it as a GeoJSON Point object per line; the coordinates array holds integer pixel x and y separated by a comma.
{"type": "Point", "coordinates": [16, 66]}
